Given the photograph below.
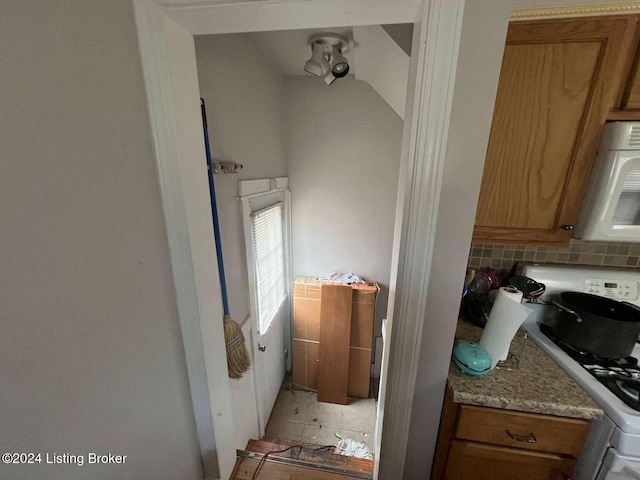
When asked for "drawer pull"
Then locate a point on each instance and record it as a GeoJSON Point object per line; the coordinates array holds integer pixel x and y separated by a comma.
{"type": "Point", "coordinates": [519, 438]}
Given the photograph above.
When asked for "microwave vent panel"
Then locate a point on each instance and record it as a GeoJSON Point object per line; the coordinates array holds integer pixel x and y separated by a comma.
{"type": "Point", "coordinates": [634, 136]}
{"type": "Point", "coordinates": [620, 136]}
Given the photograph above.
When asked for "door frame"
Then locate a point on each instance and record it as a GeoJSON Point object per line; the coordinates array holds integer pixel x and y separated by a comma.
{"type": "Point", "coordinates": [165, 35]}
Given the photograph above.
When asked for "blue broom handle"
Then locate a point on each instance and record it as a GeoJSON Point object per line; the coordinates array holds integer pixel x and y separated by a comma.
{"type": "Point", "coordinates": [214, 209]}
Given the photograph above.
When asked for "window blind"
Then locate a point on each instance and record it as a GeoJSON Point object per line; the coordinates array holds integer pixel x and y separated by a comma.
{"type": "Point", "coordinates": [268, 247]}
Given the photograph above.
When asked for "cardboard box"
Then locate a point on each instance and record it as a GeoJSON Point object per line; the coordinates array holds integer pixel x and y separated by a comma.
{"type": "Point", "coordinates": [306, 334]}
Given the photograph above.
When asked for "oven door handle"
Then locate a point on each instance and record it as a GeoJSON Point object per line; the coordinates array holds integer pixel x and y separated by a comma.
{"type": "Point", "coordinates": [633, 472]}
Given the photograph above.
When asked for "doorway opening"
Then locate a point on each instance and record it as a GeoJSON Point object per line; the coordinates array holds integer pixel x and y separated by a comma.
{"type": "Point", "coordinates": [166, 33]}
{"type": "Point", "coordinates": [336, 148]}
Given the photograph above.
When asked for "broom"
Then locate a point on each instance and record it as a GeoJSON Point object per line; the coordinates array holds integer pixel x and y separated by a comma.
{"type": "Point", "coordinates": [238, 359]}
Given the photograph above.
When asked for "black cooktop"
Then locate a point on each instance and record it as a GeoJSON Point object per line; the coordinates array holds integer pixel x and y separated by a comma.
{"type": "Point", "coordinates": [620, 375]}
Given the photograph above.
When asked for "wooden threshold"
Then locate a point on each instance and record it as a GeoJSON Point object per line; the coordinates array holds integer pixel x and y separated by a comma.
{"type": "Point", "coordinates": [308, 463]}
{"type": "Point", "coordinates": [275, 467]}
{"type": "Point", "coordinates": [311, 454]}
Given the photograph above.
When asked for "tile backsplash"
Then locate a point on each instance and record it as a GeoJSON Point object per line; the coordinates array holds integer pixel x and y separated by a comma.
{"type": "Point", "coordinates": [618, 255]}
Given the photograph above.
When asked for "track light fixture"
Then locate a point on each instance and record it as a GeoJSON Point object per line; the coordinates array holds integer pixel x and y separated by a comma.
{"type": "Point", "coordinates": [317, 65]}
{"type": "Point", "coordinates": [329, 78]}
{"type": "Point", "coordinates": [327, 57]}
{"type": "Point", "coordinates": [340, 65]}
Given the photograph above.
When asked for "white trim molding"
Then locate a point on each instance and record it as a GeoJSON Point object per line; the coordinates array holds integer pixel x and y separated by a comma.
{"type": "Point", "coordinates": [261, 185]}
{"type": "Point", "coordinates": [203, 17]}
{"type": "Point", "coordinates": [151, 38]}
{"type": "Point", "coordinates": [423, 156]}
{"type": "Point", "coordinates": [573, 11]}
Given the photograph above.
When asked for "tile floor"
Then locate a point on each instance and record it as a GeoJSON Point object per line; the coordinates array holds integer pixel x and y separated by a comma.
{"type": "Point", "coordinates": [298, 416]}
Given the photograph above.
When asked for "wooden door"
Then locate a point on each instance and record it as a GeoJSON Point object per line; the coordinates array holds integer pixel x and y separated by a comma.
{"type": "Point", "coordinates": [558, 82]}
{"type": "Point", "coordinates": [480, 461]}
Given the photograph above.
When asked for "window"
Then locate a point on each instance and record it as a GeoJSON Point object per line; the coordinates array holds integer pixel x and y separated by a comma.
{"type": "Point", "coordinates": [268, 248]}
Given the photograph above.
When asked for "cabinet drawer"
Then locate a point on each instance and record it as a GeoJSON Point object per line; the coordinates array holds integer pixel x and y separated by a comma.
{"type": "Point", "coordinates": [479, 461]}
{"type": "Point", "coordinates": [522, 430]}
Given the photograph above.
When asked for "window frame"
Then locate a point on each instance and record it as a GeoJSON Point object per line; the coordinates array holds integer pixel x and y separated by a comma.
{"type": "Point", "coordinates": [256, 195]}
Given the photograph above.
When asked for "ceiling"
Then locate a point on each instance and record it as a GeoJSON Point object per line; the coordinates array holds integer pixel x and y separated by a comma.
{"type": "Point", "coordinates": [288, 50]}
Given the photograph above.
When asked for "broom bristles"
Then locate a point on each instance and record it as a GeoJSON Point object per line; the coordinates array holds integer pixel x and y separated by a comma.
{"type": "Point", "coordinates": [238, 358]}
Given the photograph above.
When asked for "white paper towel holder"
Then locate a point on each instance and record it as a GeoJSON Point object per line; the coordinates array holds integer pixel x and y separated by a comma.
{"type": "Point", "coordinates": [513, 361]}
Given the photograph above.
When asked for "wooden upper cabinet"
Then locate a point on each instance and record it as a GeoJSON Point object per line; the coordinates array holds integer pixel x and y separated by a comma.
{"type": "Point", "coordinates": [630, 102]}
{"type": "Point", "coordinates": [559, 80]}
{"type": "Point", "coordinates": [632, 99]}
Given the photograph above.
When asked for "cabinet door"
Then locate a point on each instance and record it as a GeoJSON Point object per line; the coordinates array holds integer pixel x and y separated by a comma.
{"type": "Point", "coordinates": [558, 82]}
{"type": "Point", "coordinates": [631, 100]}
{"type": "Point", "coordinates": [479, 461]}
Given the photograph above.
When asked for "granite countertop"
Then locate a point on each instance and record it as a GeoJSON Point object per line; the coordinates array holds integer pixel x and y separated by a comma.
{"type": "Point", "coordinates": [538, 385]}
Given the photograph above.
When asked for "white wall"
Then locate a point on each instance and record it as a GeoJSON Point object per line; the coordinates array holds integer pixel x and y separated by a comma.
{"type": "Point", "coordinates": [91, 353]}
{"type": "Point", "coordinates": [474, 93]}
{"type": "Point", "coordinates": [244, 99]}
{"type": "Point", "coordinates": [344, 156]}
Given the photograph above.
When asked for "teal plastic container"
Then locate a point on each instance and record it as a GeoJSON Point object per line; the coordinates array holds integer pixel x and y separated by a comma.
{"type": "Point", "coordinates": [471, 358]}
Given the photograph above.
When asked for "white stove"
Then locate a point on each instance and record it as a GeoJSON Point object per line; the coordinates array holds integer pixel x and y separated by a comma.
{"type": "Point", "coordinates": [612, 451]}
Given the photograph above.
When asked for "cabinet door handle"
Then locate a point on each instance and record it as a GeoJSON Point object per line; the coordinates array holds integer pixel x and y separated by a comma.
{"type": "Point", "coordinates": [521, 438]}
{"type": "Point", "coordinates": [566, 227]}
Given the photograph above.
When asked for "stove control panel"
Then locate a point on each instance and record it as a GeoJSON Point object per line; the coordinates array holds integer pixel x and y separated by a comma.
{"type": "Point", "coordinates": [615, 289]}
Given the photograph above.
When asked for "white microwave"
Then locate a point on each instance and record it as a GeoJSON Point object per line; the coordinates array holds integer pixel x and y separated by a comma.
{"type": "Point", "coordinates": [611, 208]}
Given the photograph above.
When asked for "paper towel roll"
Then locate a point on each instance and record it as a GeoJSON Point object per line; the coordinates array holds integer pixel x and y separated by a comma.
{"type": "Point", "coordinates": [504, 320]}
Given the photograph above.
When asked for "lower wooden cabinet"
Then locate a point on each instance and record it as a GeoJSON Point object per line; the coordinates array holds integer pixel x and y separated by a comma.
{"type": "Point", "coordinates": [481, 461]}
{"type": "Point", "coordinates": [480, 443]}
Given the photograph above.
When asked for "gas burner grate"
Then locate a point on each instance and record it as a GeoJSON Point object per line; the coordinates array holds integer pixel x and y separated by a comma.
{"type": "Point", "coordinates": [620, 375]}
